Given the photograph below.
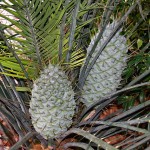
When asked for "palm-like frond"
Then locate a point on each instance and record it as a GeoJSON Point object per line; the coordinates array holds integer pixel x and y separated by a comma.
{"type": "Point", "coordinates": [30, 40]}
{"type": "Point", "coordinates": [39, 32]}
{"type": "Point", "coordinates": [35, 31]}
{"type": "Point", "coordinates": [37, 25]}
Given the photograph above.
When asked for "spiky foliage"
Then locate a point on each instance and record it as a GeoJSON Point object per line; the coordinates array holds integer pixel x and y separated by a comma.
{"type": "Point", "coordinates": [39, 35]}
{"type": "Point", "coordinates": [105, 76]}
{"type": "Point", "coordinates": [118, 128]}
{"type": "Point", "coordinates": [33, 29]}
{"type": "Point", "coordinates": [52, 104]}
{"type": "Point", "coordinates": [69, 32]}
{"type": "Point", "coordinates": [37, 32]}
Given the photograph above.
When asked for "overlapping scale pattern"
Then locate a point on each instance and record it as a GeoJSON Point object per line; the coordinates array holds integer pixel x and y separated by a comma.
{"type": "Point", "coordinates": [52, 104]}
{"type": "Point", "coordinates": [105, 76]}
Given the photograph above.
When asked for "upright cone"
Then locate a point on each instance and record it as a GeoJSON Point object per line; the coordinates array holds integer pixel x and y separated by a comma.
{"type": "Point", "coordinates": [52, 104]}
{"type": "Point", "coordinates": [105, 76]}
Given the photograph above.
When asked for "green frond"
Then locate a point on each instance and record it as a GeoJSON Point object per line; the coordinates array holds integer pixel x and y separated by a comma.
{"type": "Point", "coordinates": [76, 59]}
{"type": "Point", "coordinates": [36, 22]}
{"type": "Point", "coordinates": [35, 31]}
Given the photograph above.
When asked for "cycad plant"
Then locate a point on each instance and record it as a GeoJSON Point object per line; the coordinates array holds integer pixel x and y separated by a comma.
{"type": "Point", "coordinates": [105, 76]}
{"type": "Point", "coordinates": [58, 57]}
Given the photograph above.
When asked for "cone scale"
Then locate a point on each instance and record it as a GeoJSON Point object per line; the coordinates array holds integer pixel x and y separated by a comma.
{"type": "Point", "coordinates": [105, 76]}
{"type": "Point", "coordinates": [52, 104]}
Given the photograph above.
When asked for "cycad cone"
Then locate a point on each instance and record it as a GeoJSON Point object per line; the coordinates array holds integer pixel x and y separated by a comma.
{"type": "Point", "coordinates": [52, 104]}
{"type": "Point", "coordinates": [105, 76]}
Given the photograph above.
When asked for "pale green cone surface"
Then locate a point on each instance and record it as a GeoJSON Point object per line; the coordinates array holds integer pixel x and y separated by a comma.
{"type": "Point", "coordinates": [105, 76]}
{"type": "Point", "coordinates": [52, 104]}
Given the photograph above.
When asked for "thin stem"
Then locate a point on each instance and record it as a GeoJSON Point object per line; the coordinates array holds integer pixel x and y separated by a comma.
{"type": "Point", "coordinates": [62, 33]}
{"type": "Point", "coordinates": [125, 114]}
{"type": "Point", "coordinates": [6, 85]}
{"type": "Point", "coordinates": [13, 52]}
{"type": "Point", "coordinates": [78, 144]}
{"type": "Point", "coordinates": [123, 124]}
{"type": "Point", "coordinates": [23, 118]}
{"type": "Point", "coordinates": [11, 120]}
{"type": "Point", "coordinates": [22, 105]}
{"type": "Point", "coordinates": [133, 140]}
{"type": "Point", "coordinates": [72, 30]}
{"type": "Point", "coordinates": [111, 97]}
{"type": "Point", "coordinates": [139, 78]}
{"type": "Point", "coordinates": [23, 140]}
{"type": "Point", "coordinates": [146, 139]}
{"type": "Point", "coordinates": [33, 34]}
{"type": "Point", "coordinates": [131, 122]}
{"type": "Point", "coordinates": [91, 138]}
{"type": "Point", "coordinates": [129, 88]}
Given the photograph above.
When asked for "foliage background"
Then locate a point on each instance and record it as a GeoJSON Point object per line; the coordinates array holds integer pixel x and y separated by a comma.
{"type": "Point", "coordinates": [59, 32]}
